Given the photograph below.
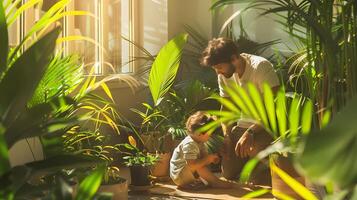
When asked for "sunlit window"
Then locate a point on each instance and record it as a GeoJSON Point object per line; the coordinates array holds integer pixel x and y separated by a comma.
{"type": "Point", "coordinates": [96, 37]}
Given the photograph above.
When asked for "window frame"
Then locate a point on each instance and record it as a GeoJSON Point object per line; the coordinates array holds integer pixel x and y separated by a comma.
{"type": "Point", "coordinates": [27, 18]}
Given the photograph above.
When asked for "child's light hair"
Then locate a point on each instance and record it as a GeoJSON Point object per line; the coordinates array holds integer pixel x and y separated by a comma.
{"type": "Point", "coordinates": [198, 120]}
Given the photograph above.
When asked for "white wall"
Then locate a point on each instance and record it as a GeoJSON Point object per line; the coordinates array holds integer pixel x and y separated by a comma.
{"type": "Point", "coordinates": [153, 21]}
{"type": "Point", "coordinates": [194, 13]}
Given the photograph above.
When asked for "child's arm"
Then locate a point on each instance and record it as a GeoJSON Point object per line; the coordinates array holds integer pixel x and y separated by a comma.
{"type": "Point", "coordinates": [195, 164]}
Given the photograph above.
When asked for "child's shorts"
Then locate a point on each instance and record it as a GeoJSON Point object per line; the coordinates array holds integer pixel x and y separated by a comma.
{"type": "Point", "coordinates": [185, 177]}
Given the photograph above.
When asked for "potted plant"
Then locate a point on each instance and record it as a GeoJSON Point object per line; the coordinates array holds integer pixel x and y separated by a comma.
{"type": "Point", "coordinates": [155, 139]}
{"type": "Point", "coordinates": [162, 75]}
{"type": "Point", "coordinates": [286, 117]}
{"type": "Point", "coordinates": [138, 162]}
{"type": "Point", "coordinates": [113, 183]}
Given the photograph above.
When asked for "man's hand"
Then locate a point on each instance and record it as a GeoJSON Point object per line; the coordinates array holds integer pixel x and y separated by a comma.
{"type": "Point", "coordinates": [244, 147]}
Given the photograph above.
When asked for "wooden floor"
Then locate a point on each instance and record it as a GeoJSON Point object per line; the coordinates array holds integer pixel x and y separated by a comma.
{"type": "Point", "coordinates": [168, 191]}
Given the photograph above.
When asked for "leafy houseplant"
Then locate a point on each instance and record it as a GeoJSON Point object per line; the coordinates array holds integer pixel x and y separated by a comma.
{"type": "Point", "coordinates": [325, 69]}
{"type": "Point", "coordinates": [40, 104]}
{"type": "Point", "coordinates": [138, 162]}
{"type": "Point", "coordinates": [285, 117]}
{"type": "Point", "coordinates": [19, 121]}
{"type": "Point", "coordinates": [114, 184]}
{"type": "Point", "coordinates": [162, 75]}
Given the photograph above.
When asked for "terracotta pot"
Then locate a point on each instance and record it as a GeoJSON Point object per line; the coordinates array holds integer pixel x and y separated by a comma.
{"type": "Point", "coordinates": [278, 184]}
{"type": "Point", "coordinates": [162, 166]}
{"type": "Point", "coordinates": [119, 190]}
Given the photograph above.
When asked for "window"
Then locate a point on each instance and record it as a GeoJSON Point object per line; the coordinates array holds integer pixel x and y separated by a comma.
{"type": "Point", "coordinates": [101, 44]}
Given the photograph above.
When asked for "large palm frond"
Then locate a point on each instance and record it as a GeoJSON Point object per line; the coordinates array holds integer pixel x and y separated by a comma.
{"type": "Point", "coordinates": [165, 66]}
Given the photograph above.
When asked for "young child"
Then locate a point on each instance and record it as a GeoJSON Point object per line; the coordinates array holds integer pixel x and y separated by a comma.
{"type": "Point", "coordinates": [188, 165]}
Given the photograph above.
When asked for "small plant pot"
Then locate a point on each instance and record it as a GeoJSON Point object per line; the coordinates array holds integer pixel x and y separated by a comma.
{"type": "Point", "coordinates": [278, 184]}
{"type": "Point", "coordinates": [139, 175]}
{"type": "Point", "coordinates": [161, 168]}
{"type": "Point", "coordinates": [119, 189]}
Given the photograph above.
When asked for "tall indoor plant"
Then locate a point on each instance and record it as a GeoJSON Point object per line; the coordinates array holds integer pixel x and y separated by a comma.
{"type": "Point", "coordinates": [162, 75]}
{"type": "Point", "coordinates": [285, 117]}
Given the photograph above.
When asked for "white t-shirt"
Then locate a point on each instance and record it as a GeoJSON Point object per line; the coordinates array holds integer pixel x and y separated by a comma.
{"type": "Point", "coordinates": [257, 71]}
{"type": "Point", "coordinates": [188, 149]}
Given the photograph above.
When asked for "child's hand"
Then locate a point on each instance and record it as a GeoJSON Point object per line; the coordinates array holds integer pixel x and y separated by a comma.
{"type": "Point", "coordinates": [213, 158]}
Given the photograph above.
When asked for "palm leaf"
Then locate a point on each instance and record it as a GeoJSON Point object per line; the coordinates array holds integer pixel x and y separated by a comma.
{"type": "Point", "coordinates": [258, 102]}
{"type": "Point", "coordinates": [281, 111]}
{"type": "Point", "coordinates": [4, 153]}
{"type": "Point", "coordinates": [292, 183]}
{"type": "Point", "coordinates": [4, 40]}
{"type": "Point", "coordinates": [270, 108]}
{"type": "Point", "coordinates": [165, 66]}
{"type": "Point", "coordinates": [15, 93]}
{"type": "Point", "coordinates": [29, 4]}
{"type": "Point", "coordinates": [306, 118]}
{"type": "Point", "coordinates": [89, 186]}
{"type": "Point", "coordinates": [62, 76]}
{"type": "Point", "coordinates": [294, 116]}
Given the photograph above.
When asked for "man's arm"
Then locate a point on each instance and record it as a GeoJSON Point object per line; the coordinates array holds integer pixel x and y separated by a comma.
{"type": "Point", "coordinates": [195, 164]}
{"type": "Point", "coordinates": [245, 144]}
{"type": "Point", "coordinates": [226, 128]}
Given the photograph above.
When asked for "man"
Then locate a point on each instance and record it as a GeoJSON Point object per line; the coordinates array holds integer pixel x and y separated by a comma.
{"type": "Point", "coordinates": [246, 139]}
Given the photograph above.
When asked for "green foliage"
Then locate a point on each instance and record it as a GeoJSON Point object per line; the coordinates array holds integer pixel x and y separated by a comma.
{"type": "Point", "coordinates": [4, 39]}
{"type": "Point", "coordinates": [15, 94]}
{"type": "Point", "coordinates": [334, 147]}
{"type": "Point", "coordinates": [292, 183]}
{"type": "Point", "coordinates": [60, 79]}
{"type": "Point", "coordinates": [140, 159]}
{"type": "Point", "coordinates": [137, 157]}
{"type": "Point", "coordinates": [43, 25]}
{"type": "Point", "coordinates": [326, 34]}
{"type": "Point", "coordinates": [180, 103]}
{"type": "Point", "coordinates": [89, 186]}
{"type": "Point", "coordinates": [35, 105]}
{"type": "Point", "coordinates": [279, 115]}
{"type": "Point", "coordinates": [165, 66]}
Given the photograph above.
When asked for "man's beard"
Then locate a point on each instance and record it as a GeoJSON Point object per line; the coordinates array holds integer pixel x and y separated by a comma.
{"type": "Point", "coordinates": [230, 72]}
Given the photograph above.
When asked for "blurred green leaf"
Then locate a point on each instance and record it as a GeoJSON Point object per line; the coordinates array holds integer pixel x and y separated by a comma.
{"type": "Point", "coordinates": [256, 193]}
{"type": "Point", "coordinates": [4, 40]}
{"type": "Point", "coordinates": [335, 148]}
{"type": "Point", "coordinates": [281, 112]}
{"type": "Point", "coordinates": [258, 102]}
{"type": "Point", "coordinates": [306, 117]}
{"type": "Point", "coordinates": [4, 155]}
{"type": "Point", "coordinates": [294, 117]}
{"type": "Point", "coordinates": [89, 186]}
{"type": "Point", "coordinates": [16, 93]}
{"type": "Point", "coordinates": [270, 107]}
{"type": "Point", "coordinates": [292, 183]}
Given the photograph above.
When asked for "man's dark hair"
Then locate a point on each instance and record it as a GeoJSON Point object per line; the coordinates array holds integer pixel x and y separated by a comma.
{"type": "Point", "coordinates": [198, 120]}
{"type": "Point", "coordinates": [219, 50]}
